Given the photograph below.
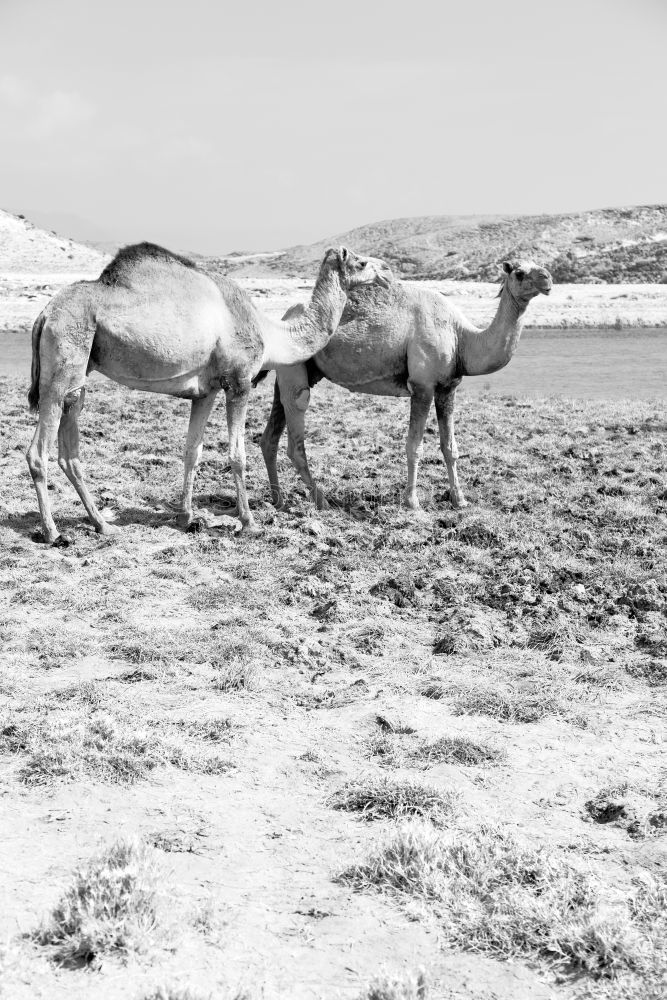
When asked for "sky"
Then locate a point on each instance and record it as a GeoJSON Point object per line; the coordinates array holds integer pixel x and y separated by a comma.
{"type": "Point", "coordinates": [210, 126]}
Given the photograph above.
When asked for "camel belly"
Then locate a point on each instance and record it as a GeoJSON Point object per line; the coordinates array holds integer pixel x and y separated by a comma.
{"type": "Point", "coordinates": [179, 348]}
{"type": "Point", "coordinates": [368, 365]}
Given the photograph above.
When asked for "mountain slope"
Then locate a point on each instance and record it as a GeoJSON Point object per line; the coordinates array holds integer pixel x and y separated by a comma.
{"type": "Point", "coordinates": [612, 245]}
{"type": "Point", "coordinates": [24, 248]}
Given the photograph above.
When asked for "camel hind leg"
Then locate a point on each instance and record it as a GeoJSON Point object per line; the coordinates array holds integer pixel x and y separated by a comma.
{"type": "Point", "coordinates": [295, 398]}
{"type": "Point", "coordinates": [194, 445]}
{"type": "Point", "coordinates": [61, 362]}
{"type": "Point", "coordinates": [69, 461]}
{"type": "Point", "coordinates": [237, 407]}
{"type": "Point", "coordinates": [50, 409]}
{"type": "Point", "coordinates": [269, 442]}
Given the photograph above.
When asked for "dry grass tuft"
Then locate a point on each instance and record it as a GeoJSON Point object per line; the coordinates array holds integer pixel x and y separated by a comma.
{"type": "Point", "coordinates": [66, 743]}
{"type": "Point", "coordinates": [184, 993]}
{"type": "Point", "coordinates": [653, 672]}
{"type": "Point", "coordinates": [394, 798]}
{"type": "Point", "coordinates": [217, 730]}
{"type": "Point", "coordinates": [456, 750]}
{"type": "Point", "coordinates": [397, 988]}
{"type": "Point", "coordinates": [520, 700]}
{"type": "Point", "coordinates": [112, 906]}
{"type": "Point", "coordinates": [235, 675]}
{"type": "Point", "coordinates": [101, 745]}
{"type": "Point", "coordinates": [492, 892]}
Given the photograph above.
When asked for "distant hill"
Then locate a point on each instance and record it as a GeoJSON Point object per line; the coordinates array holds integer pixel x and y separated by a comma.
{"type": "Point", "coordinates": [613, 245]}
{"type": "Point", "coordinates": [24, 248]}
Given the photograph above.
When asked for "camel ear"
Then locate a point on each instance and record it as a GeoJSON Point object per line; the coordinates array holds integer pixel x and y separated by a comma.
{"type": "Point", "coordinates": [507, 267]}
{"type": "Point", "coordinates": [343, 254]}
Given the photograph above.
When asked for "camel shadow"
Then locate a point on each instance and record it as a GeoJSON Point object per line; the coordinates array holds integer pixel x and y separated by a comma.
{"type": "Point", "coordinates": [27, 525]}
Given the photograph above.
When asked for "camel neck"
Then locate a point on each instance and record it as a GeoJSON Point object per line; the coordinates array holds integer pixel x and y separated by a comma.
{"type": "Point", "coordinates": [288, 343]}
{"type": "Point", "coordinates": [482, 352]}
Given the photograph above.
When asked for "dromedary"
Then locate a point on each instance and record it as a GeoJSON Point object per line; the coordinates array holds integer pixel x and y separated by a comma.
{"type": "Point", "coordinates": [155, 321]}
{"type": "Point", "coordinates": [405, 340]}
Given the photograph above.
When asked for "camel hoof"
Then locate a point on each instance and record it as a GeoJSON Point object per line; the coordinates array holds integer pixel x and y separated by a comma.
{"type": "Point", "coordinates": [251, 528]}
{"type": "Point", "coordinates": [459, 504]}
{"type": "Point", "coordinates": [411, 502]}
{"type": "Point", "coordinates": [107, 529]}
{"type": "Point", "coordinates": [194, 526]}
{"type": "Point", "coordinates": [321, 502]}
{"type": "Point", "coordinates": [61, 542]}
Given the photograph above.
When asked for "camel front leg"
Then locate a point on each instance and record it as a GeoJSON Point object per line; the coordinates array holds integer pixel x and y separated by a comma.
{"type": "Point", "coordinates": [237, 407]}
{"type": "Point", "coordinates": [420, 404]}
{"type": "Point", "coordinates": [444, 408]}
{"type": "Point", "coordinates": [194, 445]}
{"type": "Point", "coordinates": [295, 396]}
{"type": "Point", "coordinates": [69, 461]}
{"type": "Point", "coordinates": [269, 442]}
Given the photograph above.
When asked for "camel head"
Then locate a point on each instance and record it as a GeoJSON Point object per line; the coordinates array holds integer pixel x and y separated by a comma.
{"type": "Point", "coordinates": [357, 270]}
{"type": "Point", "coordinates": [524, 280]}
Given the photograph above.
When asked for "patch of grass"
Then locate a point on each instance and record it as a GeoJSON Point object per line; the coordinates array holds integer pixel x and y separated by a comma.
{"type": "Point", "coordinates": [217, 730]}
{"type": "Point", "coordinates": [492, 892]}
{"type": "Point", "coordinates": [652, 641]}
{"type": "Point", "coordinates": [385, 749]}
{"type": "Point", "coordinates": [397, 988]}
{"type": "Point", "coordinates": [184, 993]}
{"type": "Point", "coordinates": [111, 906]}
{"type": "Point", "coordinates": [394, 798]}
{"type": "Point", "coordinates": [69, 743]}
{"type": "Point", "coordinates": [653, 672]}
{"type": "Point", "coordinates": [174, 993]}
{"type": "Point", "coordinates": [555, 637]}
{"type": "Point", "coordinates": [524, 700]}
{"type": "Point", "coordinates": [102, 746]}
{"type": "Point", "coordinates": [173, 841]}
{"type": "Point", "coordinates": [235, 675]}
{"type": "Point", "coordinates": [210, 597]}
{"type": "Point", "coordinates": [161, 645]}
{"type": "Point", "coordinates": [89, 693]}
{"type": "Point", "coordinates": [456, 750]}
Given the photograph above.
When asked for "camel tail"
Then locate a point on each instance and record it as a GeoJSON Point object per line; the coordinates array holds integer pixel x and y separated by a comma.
{"type": "Point", "coordinates": [33, 394]}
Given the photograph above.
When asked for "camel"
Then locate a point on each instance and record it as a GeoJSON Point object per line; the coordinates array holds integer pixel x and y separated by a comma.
{"type": "Point", "coordinates": [155, 321]}
{"type": "Point", "coordinates": [405, 340]}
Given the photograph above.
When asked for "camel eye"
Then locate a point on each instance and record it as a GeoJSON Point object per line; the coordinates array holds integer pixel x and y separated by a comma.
{"type": "Point", "coordinates": [520, 275]}
{"type": "Point", "coordinates": [363, 263]}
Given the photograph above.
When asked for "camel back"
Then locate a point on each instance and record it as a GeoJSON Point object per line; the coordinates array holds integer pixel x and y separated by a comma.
{"type": "Point", "coordinates": [119, 270]}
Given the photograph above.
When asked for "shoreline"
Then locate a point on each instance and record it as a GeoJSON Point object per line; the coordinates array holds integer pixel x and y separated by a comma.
{"type": "Point", "coordinates": [569, 307]}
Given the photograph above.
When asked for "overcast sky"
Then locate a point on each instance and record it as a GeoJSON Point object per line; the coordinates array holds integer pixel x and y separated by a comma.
{"type": "Point", "coordinates": [211, 126]}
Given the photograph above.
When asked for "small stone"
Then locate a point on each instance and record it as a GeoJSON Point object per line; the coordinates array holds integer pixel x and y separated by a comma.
{"type": "Point", "coordinates": [579, 591]}
{"type": "Point", "coordinates": [314, 527]}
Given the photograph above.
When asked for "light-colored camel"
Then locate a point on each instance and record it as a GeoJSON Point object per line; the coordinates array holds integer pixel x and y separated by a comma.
{"type": "Point", "coordinates": [405, 340]}
{"type": "Point", "coordinates": [155, 321]}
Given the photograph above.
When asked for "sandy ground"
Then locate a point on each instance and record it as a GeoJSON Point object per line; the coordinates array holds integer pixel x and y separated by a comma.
{"type": "Point", "coordinates": [553, 581]}
{"type": "Point", "coordinates": [23, 294]}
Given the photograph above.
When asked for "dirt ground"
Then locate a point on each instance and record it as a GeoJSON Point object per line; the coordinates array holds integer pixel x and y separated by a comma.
{"type": "Point", "coordinates": [207, 694]}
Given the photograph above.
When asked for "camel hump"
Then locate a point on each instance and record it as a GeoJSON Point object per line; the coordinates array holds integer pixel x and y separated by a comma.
{"type": "Point", "coordinates": [120, 270]}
